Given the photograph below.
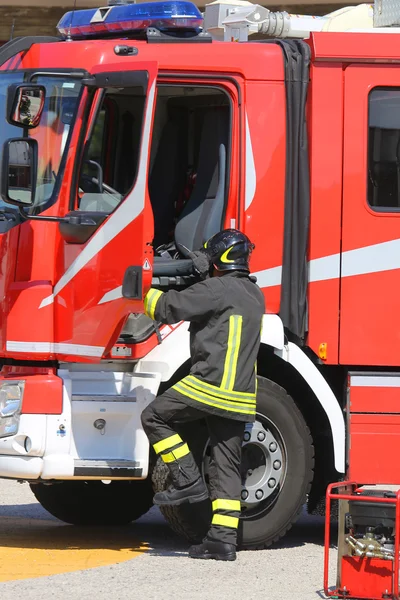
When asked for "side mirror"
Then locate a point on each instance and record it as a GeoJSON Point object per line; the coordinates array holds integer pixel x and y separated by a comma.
{"type": "Point", "coordinates": [20, 160]}
{"type": "Point", "coordinates": [25, 105]}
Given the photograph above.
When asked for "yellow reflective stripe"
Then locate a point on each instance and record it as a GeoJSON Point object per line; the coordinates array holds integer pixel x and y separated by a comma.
{"type": "Point", "coordinates": [176, 454]}
{"type": "Point", "coordinates": [225, 521]}
{"type": "Point", "coordinates": [224, 258]}
{"type": "Point", "coordinates": [167, 443]}
{"type": "Point", "coordinates": [246, 409]}
{"type": "Point", "coordinates": [240, 407]}
{"type": "Point", "coordinates": [152, 298]}
{"type": "Point", "coordinates": [213, 390]}
{"type": "Point", "coordinates": [236, 344]}
{"type": "Point", "coordinates": [150, 302]}
{"type": "Point", "coordinates": [232, 353]}
{"type": "Point", "coordinates": [147, 300]}
{"type": "Point", "coordinates": [221, 504]}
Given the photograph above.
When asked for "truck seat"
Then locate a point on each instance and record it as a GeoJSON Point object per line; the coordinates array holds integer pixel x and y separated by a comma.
{"type": "Point", "coordinates": [168, 175]}
{"type": "Point", "coordinates": [203, 213]}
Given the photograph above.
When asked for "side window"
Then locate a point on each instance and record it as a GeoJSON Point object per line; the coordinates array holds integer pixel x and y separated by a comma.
{"type": "Point", "coordinates": [384, 149]}
{"type": "Point", "coordinates": [110, 160]}
{"type": "Point", "coordinates": [94, 158]}
{"type": "Point", "coordinates": [97, 142]}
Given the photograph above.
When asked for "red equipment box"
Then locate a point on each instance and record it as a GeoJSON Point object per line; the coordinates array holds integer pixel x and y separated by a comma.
{"type": "Point", "coordinates": [368, 543]}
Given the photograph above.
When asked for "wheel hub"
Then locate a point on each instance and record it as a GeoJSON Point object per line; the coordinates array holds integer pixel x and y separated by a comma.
{"type": "Point", "coordinates": [263, 467]}
{"type": "Point", "coordinates": [263, 464]}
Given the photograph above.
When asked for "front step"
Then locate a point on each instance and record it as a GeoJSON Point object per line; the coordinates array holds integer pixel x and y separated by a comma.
{"type": "Point", "coordinates": [107, 468]}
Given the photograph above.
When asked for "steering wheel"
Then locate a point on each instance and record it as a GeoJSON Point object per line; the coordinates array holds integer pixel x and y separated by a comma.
{"type": "Point", "coordinates": [98, 181]}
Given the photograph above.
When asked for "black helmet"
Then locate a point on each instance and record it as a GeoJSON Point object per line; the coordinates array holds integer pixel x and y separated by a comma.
{"type": "Point", "coordinates": [229, 250]}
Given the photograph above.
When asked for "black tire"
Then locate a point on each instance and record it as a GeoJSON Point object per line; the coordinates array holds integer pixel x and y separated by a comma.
{"type": "Point", "coordinates": [95, 503]}
{"type": "Point", "coordinates": [187, 520]}
{"type": "Point", "coordinates": [266, 522]}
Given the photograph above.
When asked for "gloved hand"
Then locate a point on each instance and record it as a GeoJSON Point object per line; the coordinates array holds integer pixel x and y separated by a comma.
{"type": "Point", "coordinates": [201, 263]}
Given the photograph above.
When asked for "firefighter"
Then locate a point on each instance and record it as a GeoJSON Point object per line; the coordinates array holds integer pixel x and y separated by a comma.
{"type": "Point", "coordinates": [225, 311]}
{"type": "Point", "coordinates": [25, 110]}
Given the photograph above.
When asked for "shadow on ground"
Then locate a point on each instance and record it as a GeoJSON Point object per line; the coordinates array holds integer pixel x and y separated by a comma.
{"type": "Point", "coordinates": [30, 526]}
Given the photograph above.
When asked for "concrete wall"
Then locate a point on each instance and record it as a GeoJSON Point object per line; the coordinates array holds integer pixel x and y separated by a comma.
{"type": "Point", "coordinates": [36, 17]}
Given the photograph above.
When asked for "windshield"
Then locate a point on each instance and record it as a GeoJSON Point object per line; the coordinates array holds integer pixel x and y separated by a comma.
{"type": "Point", "coordinates": [52, 133]}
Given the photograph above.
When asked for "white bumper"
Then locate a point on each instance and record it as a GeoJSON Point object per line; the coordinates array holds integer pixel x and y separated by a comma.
{"type": "Point", "coordinates": [98, 435]}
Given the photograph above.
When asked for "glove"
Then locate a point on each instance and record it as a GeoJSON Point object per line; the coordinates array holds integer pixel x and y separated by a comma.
{"type": "Point", "coordinates": [201, 263]}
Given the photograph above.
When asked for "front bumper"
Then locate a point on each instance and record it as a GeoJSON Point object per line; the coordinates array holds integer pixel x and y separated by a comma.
{"type": "Point", "coordinates": [61, 467]}
{"type": "Point", "coordinates": [98, 434]}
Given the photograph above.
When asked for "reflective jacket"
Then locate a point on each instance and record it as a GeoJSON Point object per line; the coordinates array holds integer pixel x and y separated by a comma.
{"type": "Point", "coordinates": [225, 315]}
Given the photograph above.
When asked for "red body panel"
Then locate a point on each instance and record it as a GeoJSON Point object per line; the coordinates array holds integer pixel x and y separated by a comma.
{"type": "Point", "coordinates": [36, 402]}
{"type": "Point", "coordinates": [366, 578]}
{"type": "Point", "coordinates": [37, 379]}
{"type": "Point", "coordinates": [8, 260]}
{"type": "Point", "coordinates": [356, 47]}
{"type": "Point", "coordinates": [370, 321]}
{"type": "Point", "coordinates": [259, 63]}
{"type": "Point", "coordinates": [264, 217]}
{"type": "Point", "coordinates": [366, 400]}
{"type": "Point", "coordinates": [326, 123]}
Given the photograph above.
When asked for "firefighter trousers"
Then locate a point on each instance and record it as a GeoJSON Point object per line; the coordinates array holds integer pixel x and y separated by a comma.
{"type": "Point", "coordinates": [226, 435]}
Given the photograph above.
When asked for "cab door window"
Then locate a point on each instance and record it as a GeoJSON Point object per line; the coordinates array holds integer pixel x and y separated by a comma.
{"type": "Point", "coordinates": [189, 166]}
{"type": "Point", "coordinates": [111, 156]}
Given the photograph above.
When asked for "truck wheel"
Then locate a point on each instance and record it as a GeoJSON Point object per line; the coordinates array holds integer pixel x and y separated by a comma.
{"type": "Point", "coordinates": [95, 503]}
{"type": "Point", "coordinates": [277, 472]}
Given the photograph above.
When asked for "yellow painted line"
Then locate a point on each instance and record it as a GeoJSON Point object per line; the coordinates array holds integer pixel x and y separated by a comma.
{"type": "Point", "coordinates": [30, 548]}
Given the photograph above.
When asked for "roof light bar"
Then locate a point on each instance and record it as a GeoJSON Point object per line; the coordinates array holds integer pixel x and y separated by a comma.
{"type": "Point", "coordinates": [129, 18]}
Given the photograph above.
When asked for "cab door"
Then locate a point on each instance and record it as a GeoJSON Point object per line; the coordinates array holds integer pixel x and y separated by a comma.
{"type": "Point", "coordinates": [89, 309]}
{"type": "Point", "coordinates": [370, 257]}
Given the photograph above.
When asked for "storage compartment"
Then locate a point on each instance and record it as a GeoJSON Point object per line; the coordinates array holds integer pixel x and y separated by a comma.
{"type": "Point", "coordinates": [374, 393]}
{"type": "Point", "coordinates": [374, 449]}
{"type": "Point", "coordinates": [373, 408]}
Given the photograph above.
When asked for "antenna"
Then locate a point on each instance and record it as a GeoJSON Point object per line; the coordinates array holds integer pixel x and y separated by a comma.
{"type": "Point", "coordinates": [12, 30]}
{"type": "Point", "coordinates": [69, 38]}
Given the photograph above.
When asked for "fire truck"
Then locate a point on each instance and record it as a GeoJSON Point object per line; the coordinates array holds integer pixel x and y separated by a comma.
{"type": "Point", "coordinates": [145, 129]}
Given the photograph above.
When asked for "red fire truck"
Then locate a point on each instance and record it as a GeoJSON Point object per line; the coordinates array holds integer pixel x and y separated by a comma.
{"type": "Point", "coordinates": [142, 135]}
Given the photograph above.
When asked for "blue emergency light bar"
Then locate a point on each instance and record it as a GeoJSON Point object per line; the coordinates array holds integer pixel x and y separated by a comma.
{"type": "Point", "coordinates": [122, 20]}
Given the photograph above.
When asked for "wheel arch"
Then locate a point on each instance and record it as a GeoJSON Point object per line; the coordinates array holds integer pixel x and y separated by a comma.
{"type": "Point", "coordinates": [287, 365]}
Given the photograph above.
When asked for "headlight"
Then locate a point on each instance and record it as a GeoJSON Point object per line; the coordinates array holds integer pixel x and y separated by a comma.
{"type": "Point", "coordinates": [10, 407]}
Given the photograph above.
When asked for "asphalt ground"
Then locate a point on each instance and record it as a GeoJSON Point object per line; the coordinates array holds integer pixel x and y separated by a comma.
{"type": "Point", "coordinates": [42, 558]}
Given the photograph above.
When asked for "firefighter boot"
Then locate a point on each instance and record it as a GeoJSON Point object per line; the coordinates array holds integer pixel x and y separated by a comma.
{"type": "Point", "coordinates": [194, 492]}
{"type": "Point", "coordinates": [214, 550]}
